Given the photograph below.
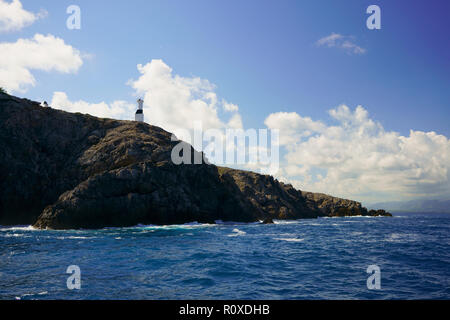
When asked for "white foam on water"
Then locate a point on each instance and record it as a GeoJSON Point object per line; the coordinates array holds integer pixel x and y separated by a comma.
{"type": "Point", "coordinates": [286, 221]}
{"type": "Point", "coordinates": [189, 225]}
{"type": "Point", "coordinates": [17, 235]}
{"type": "Point", "coordinates": [18, 228]}
{"type": "Point", "coordinates": [74, 237]}
{"type": "Point", "coordinates": [290, 239]}
{"type": "Point", "coordinates": [237, 232]}
{"type": "Point", "coordinates": [351, 217]}
{"type": "Point", "coordinates": [154, 227]}
{"type": "Point", "coordinates": [221, 222]}
{"type": "Point", "coordinates": [402, 237]}
{"type": "Point", "coordinates": [32, 294]}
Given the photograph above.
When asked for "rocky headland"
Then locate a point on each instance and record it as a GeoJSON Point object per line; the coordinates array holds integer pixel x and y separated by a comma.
{"type": "Point", "coordinates": [61, 170]}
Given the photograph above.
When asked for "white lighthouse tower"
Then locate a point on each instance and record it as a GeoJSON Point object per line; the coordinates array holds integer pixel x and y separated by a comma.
{"type": "Point", "coordinates": [139, 116]}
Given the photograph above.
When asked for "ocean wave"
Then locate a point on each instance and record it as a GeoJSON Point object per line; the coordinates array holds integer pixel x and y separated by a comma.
{"type": "Point", "coordinates": [17, 235]}
{"type": "Point", "coordinates": [402, 237]}
{"type": "Point", "coordinates": [186, 226]}
{"type": "Point", "coordinates": [352, 217]}
{"type": "Point", "coordinates": [18, 228]}
{"type": "Point", "coordinates": [74, 237]}
{"type": "Point", "coordinates": [221, 222]}
{"type": "Point", "coordinates": [237, 232]}
{"type": "Point", "coordinates": [289, 239]}
{"type": "Point", "coordinates": [314, 224]}
{"type": "Point", "coordinates": [161, 258]}
{"type": "Point", "coordinates": [286, 221]}
{"type": "Point", "coordinates": [154, 227]}
{"type": "Point", "coordinates": [31, 295]}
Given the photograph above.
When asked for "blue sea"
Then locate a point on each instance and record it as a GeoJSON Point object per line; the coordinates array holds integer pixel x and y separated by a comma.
{"type": "Point", "coordinates": [325, 258]}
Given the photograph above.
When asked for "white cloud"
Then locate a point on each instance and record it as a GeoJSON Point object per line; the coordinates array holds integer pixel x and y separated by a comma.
{"type": "Point", "coordinates": [342, 42]}
{"type": "Point", "coordinates": [115, 110]}
{"type": "Point", "coordinates": [230, 107]}
{"type": "Point", "coordinates": [178, 104]}
{"type": "Point", "coordinates": [293, 126]}
{"type": "Point", "coordinates": [235, 122]}
{"type": "Point", "coordinates": [330, 40]}
{"type": "Point", "coordinates": [174, 102]}
{"type": "Point", "coordinates": [46, 53]}
{"type": "Point", "coordinates": [13, 17]}
{"type": "Point", "coordinates": [358, 159]}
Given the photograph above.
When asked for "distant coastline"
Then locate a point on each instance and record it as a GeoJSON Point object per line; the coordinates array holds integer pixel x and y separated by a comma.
{"type": "Point", "coordinates": [419, 206]}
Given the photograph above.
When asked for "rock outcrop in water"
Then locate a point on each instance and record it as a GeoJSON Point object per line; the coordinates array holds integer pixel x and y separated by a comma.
{"type": "Point", "coordinates": [65, 170]}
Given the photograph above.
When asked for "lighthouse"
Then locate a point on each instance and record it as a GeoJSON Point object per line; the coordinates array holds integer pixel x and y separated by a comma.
{"type": "Point", "coordinates": [139, 116]}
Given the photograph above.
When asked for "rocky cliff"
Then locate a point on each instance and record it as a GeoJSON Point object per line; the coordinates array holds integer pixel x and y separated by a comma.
{"type": "Point", "coordinates": [68, 170]}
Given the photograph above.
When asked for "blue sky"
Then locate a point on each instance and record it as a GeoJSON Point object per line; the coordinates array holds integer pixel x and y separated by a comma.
{"type": "Point", "coordinates": [263, 56]}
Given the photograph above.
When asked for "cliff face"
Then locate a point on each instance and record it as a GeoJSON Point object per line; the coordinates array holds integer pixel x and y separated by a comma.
{"type": "Point", "coordinates": [278, 200]}
{"type": "Point", "coordinates": [67, 170]}
{"type": "Point", "coordinates": [275, 199]}
{"type": "Point", "coordinates": [337, 207]}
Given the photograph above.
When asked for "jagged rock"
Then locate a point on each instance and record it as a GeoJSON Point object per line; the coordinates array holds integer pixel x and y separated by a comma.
{"type": "Point", "coordinates": [337, 207]}
{"type": "Point", "coordinates": [268, 221]}
{"type": "Point", "coordinates": [377, 213]}
{"type": "Point", "coordinates": [276, 199]}
{"type": "Point", "coordinates": [65, 170]}
{"type": "Point", "coordinates": [148, 194]}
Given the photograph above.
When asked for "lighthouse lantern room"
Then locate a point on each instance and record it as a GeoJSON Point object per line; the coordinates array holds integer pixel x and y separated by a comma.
{"type": "Point", "coordinates": [139, 116]}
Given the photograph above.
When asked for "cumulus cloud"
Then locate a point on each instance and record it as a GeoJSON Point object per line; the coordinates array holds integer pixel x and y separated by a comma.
{"type": "Point", "coordinates": [230, 107]}
{"type": "Point", "coordinates": [14, 17]}
{"type": "Point", "coordinates": [342, 42]}
{"type": "Point", "coordinates": [235, 122]}
{"type": "Point", "coordinates": [293, 126]}
{"type": "Point", "coordinates": [115, 110]}
{"type": "Point", "coordinates": [180, 104]}
{"type": "Point", "coordinates": [177, 104]}
{"type": "Point", "coordinates": [46, 53]}
{"type": "Point", "coordinates": [174, 102]}
{"type": "Point", "coordinates": [358, 158]}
